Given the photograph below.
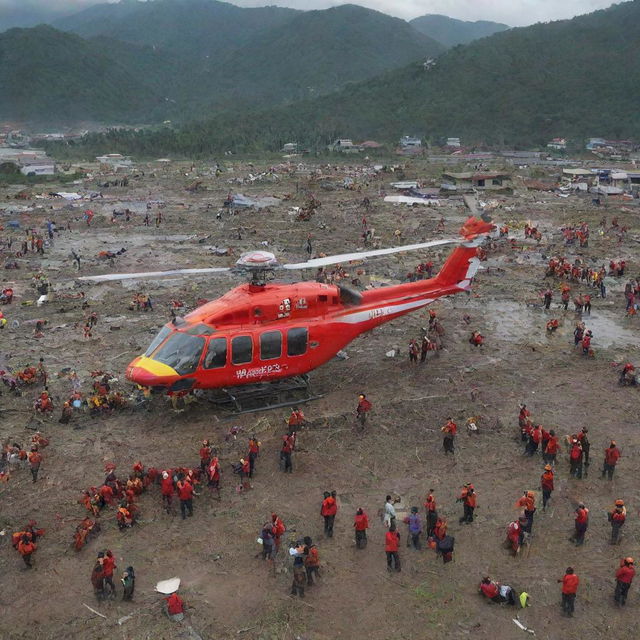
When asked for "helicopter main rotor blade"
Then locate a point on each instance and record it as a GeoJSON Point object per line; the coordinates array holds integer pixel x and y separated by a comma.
{"type": "Point", "coordinates": [112, 277]}
{"type": "Point", "coordinates": [359, 255]}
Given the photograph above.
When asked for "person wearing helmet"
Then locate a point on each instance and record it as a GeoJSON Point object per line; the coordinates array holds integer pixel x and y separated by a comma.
{"type": "Point", "coordinates": [624, 577]}
{"type": "Point", "coordinates": [617, 516]}
{"type": "Point", "coordinates": [546, 484]}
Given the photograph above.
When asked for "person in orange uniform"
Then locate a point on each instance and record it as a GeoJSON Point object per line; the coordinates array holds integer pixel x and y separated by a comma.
{"type": "Point", "coordinates": [311, 560]}
{"type": "Point", "coordinates": [26, 548]}
{"type": "Point", "coordinates": [432, 513]}
{"type": "Point", "coordinates": [546, 484]}
{"type": "Point", "coordinates": [528, 503]}
{"type": "Point", "coordinates": [469, 502]}
{"type": "Point", "coordinates": [570, 582]}
{"type": "Point", "coordinates": [296, 419]}
{"type": "Point", "coordinates": [185, 493]}
{"type": "Point", "coordinates": [624, 577]}
{"type": "Point", "coordinates": [175, 607]}
{"type": "Point", "coordinates": [328, 511]}
{"type": "Point", "coordinates": [35, 458]}
{"type": "Point", "coordinates": [361, 524]}
{"type": "Point", "coordinates": [288, 444]}
{"type": "Point", "coordinates": [278, 529]}
{"type": "Point", "coordinates": [391, 546]}
{"type": "Point", "coordinates": [611, 456]}
{"type": "Point", "coordinates": [450, 429]}
{"type": "Point", "coordinates": [617, 517]}
{"type": "Point", "coordinates": [552, 448]}
{"type": "Point", "coordinates": [581, 523]}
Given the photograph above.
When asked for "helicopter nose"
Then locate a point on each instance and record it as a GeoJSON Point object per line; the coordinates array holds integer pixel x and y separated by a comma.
{"type": "Point", "coordinates": [149, 373]}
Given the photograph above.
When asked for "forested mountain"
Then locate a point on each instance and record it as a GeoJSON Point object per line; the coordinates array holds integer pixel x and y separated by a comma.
{"type": "Point", "coordinates": [450, 32]}
{"type": "Point", "coordinates": [317, 52]}
{"type": "Point", "coordinates": [195, 28]}
{"type": "Point", "coordinates": [47, 75]}
{"type": "Point", "coordinates": [571, 78]}
{"type": "Point", "coordinates": [191, 58]}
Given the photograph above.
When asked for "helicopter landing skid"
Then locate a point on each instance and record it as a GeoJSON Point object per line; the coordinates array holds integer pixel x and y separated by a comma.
{"type": "Point", "coordinates": [263, 396]}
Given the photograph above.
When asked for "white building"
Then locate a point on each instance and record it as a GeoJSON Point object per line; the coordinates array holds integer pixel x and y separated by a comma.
{"type": "Point", "coordinates": [37, 167]}
{"type": "Point", "coordinates": [453, 142]}
{"type": "Point", "coordinates": [559, 144]}
{"type": "Point", "coordinates": [410, 141]}
{"type": "Point", "coordinates": [114, 160]}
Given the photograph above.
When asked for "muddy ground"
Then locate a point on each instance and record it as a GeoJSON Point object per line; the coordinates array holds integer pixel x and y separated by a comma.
{"type": "Point", "coordinates": [232, 593]}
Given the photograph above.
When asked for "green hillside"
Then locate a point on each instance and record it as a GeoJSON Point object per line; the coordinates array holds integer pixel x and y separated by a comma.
{"type": "Point", "coordinates": [50, 76]}
{"type": "Point", "coordinates": [194, 28]}
{"type": "Point", "coordinates": [317, 52]}
{"type": "Point", "coordinates": [450, 32]}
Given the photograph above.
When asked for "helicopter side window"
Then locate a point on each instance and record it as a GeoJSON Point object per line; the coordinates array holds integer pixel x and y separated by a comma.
{"type": "Point", "coordinates": [297, 341]}
{"type": "Point", "coordinates": [157, 341]}
{"type": "Point", "coordinates": [181, 352]}
{"type": "Point", "coordinates": [241, 350]}
{"type": "Point", "coordinates": [216, 354]}
{"type": "Point", "coordinates": [270, 345]}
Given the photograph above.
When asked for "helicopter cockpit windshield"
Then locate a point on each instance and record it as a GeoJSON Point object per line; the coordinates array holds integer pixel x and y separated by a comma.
{"type": "Point", "coordinates": [181, 352]}
{"type": "Point", "coordinates": [157, 341]}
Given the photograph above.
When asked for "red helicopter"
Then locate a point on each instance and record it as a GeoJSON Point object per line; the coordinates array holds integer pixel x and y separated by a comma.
{"type": "Point", "coordinates": [263, 332]}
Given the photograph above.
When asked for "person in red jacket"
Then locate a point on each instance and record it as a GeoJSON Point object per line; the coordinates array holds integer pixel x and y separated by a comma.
{"type": "Point", "coordinates": [490, 589]}
{"type": "Point", "coordinates": [108, 566]}
{"type": "Point", "coordinates": [515, 533]}
{"type": "Point", "coordinates": [391, 546]}
{"type": "Point", "coordinates": [617, 517]}
{"type": "Point", "coordinates": [205, 455]}
{"type": "Point", "coordinates": [175, 607]}
{"type": "Point", "coordinates": [624, 577]}
{"type": "Point", "coordinates": [546, 484]}
{"type": "Point", "coordinates": [213, 473]}
{"type": "Point", "coordinates": [166, 489]}
{"type": "Point", "coordinates": [575, 458]}
{"type": "Point", "coordinates": [361, 524]}
{"type": "Point", "coordinates": [26, 548]}
{"type": "Point", "coordinates": [581, 524]}
{"type": "Point", "coordinates": [328, 511]}
{"type": "Point", "coordinates": [254, 451]}
{"type": "Point", "coordinates": [570, 582]}
{"type": "Point", "coordinates": [432, 513]}
{"type": "Point", "coordinates": [311, 560]}
{"type": "Point", "coordinates": [469, 503]}
{"type": "Point", "coordinates": [363, 409]}
{"type": "Point", "coordinates": [185, 493]}
{"type": "Point", "coordinates": [278, 529]}
{"type": "Point", "coordinates": [611, 457]}
{"type": "Point", "coordinates": [450, 429]}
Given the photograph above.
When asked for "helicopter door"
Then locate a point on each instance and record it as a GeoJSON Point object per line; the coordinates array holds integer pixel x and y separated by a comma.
{"type": "Point", "coordinates": [270, 345]}
{"type": "Point", "coordinates": [297, 340]}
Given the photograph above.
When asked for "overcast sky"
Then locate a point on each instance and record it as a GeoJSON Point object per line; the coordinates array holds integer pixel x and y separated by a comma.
{"type": "Point", "coordinates": [512, 12]}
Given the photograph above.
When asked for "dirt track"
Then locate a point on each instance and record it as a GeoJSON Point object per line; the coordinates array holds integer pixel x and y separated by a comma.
{"type": "Point", "coordinates": [232, 593]}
